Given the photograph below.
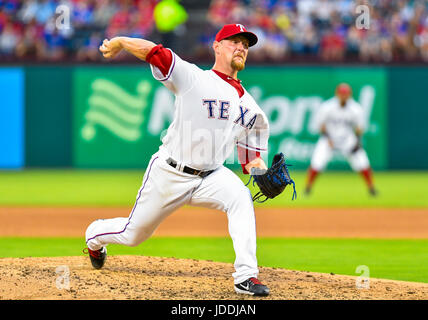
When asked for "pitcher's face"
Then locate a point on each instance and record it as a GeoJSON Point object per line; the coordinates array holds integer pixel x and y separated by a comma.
{"type": "Point", "coordinates": [233, 51]}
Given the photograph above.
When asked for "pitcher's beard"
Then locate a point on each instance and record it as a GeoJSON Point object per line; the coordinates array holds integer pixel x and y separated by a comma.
{"type": "Point", "coordinates": [237, 65]}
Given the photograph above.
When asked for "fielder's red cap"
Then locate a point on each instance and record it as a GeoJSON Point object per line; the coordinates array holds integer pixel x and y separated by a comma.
{"type": "Point", "coordinates": [343, 88]}
{"type": "Point", "coordinates": [232, 29]}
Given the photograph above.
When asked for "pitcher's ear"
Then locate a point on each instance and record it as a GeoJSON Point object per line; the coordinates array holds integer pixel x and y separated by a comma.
{"type": "Point", "coordinates": [216, 44]}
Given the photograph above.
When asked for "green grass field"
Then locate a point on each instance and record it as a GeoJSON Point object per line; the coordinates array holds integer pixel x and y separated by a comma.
{"type": "Point", "coordinates": [400, 259]}
{"type": "Point", "coordinates": [119, 188]}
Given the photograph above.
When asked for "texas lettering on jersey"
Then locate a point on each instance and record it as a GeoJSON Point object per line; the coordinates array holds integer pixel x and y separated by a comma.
{"type": "Point", "coordinates": [223, 113]}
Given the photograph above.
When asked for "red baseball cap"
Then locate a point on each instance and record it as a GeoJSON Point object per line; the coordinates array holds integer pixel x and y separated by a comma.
{"type": "Point", "coordinates": [229, 30]}
{"type": "Point", "coordinates": [344, 88]}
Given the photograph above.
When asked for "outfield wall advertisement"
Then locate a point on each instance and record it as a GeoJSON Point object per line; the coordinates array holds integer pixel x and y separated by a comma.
{"type": "Point", "coordinates": [48, 116]}
{"type": "Point", "coordinates": [407, 118]}
{"type": "Point", "coordinates": [114, 116]}
{"type": "Point", "coordinates": [120, 114]}
{"type": "Point", "coordinates": [291, 97]}
{"type": "Point", "coordinates": [12, 118]}
{"type": "Point", "coordinates": [115, 112]}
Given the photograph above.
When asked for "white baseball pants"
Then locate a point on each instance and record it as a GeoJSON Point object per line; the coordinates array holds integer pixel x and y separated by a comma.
{"type": "Point", "coordinates": [165, 189]}
{"type": "Point", "coordinates": [323, 154]}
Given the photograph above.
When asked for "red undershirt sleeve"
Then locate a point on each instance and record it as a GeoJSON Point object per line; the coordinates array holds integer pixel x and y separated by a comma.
{"type": "Point", "coordinates": [161, 58]}
{"type": "Point", "coordinates": [245, 156]}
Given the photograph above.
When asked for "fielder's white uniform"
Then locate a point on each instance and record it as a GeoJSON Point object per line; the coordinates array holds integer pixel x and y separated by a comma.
{"type": "Point", "coordinates": [210, 120]}
{"type": "Point", "coordinates": [340, 123]}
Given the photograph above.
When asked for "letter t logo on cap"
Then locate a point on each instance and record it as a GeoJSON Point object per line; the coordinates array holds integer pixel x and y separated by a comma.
{"type": "Point", "coordinates": [241, 27]}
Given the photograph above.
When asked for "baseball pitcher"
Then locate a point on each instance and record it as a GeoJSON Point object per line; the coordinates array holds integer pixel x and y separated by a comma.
{"type": "Point", "coordinates": [213, 115]}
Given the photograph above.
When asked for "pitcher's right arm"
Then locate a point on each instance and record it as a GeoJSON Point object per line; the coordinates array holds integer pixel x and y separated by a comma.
{"type": "Point", "coordinates": [175, 73]}
{"type": "Point", "coordinates": [137, 47]}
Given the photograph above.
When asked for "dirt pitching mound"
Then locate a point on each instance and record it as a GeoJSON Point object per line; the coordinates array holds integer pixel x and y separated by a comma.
{"type": "Point", "coordinates": [154, 278]}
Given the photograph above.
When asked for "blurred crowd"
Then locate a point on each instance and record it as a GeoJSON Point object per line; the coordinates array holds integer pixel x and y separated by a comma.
{"type": "Point", "coordinates": [56, 30]}
{"type": "Point", "coordinates": [396, 30]}
{"type": "Point", "coordinates": [320, 30]}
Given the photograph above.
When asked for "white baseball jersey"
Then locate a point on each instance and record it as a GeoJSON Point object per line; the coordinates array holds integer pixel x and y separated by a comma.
{"type": "Point", "coordinates": [210, 117]}
{"type": "Point", "coordinates": [341, 122]}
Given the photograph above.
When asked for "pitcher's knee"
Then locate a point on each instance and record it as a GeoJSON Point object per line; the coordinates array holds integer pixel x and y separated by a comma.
{"type": "Point", "coordinates": [133, 239]}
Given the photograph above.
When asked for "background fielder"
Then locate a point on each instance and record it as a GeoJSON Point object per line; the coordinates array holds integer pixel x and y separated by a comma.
{"type": "Point", "coordinates": [341, 124]}
{"type": "Point", "coordinates": [219, 114]}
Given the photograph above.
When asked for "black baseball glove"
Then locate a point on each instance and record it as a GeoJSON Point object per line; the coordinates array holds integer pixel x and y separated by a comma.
{"type": "Point", "coordinates": [273, 181]}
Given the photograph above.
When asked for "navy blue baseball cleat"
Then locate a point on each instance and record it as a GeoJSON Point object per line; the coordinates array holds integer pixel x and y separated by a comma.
{"type": "Point", "coordinates": [252, 287]}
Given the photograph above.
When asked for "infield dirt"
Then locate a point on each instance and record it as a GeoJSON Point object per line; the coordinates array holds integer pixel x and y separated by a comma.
{"type": "Point", "coordinates": [153, 278]}
{"type": "Point", "coordinates": [149, 278]}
